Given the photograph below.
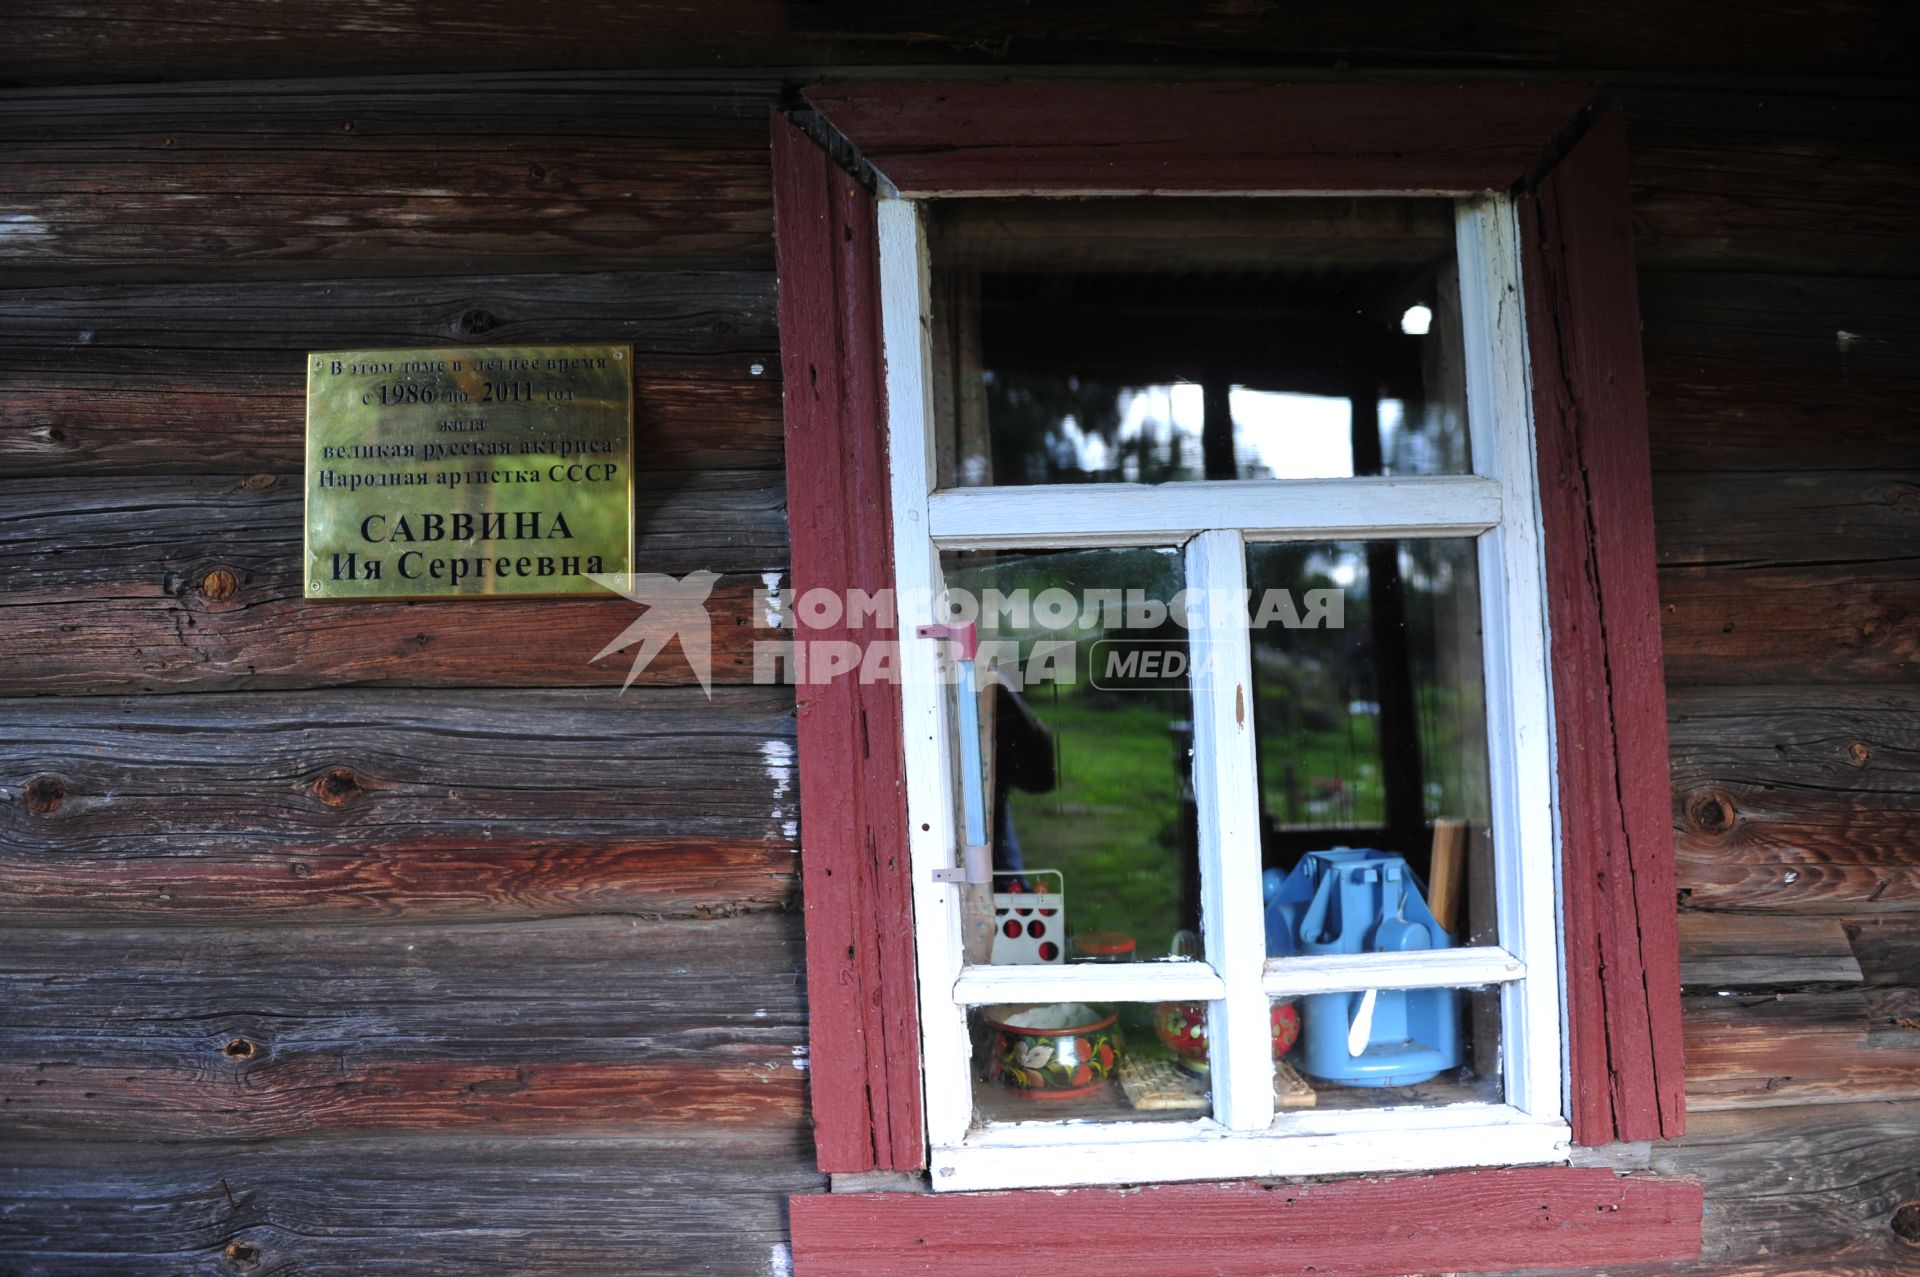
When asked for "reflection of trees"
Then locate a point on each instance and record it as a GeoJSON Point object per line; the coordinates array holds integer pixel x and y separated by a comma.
{"type": "Point", "coordinates": [1042, 421]}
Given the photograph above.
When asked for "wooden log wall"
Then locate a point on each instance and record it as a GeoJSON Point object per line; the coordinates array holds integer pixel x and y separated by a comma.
{"type": "Point", "coordinates": [392, 938]}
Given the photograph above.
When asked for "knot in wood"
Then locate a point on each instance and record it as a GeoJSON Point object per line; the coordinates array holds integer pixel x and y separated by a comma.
{"type": "Point", "coordinates": [478, 321]}
{"type": "Point", "coordinates": [239, 1049]}
{"type": "Point", "coordinates": [242, 1254]}
{"type": "Point", "coordinates": [45, 794]}
{"type": "Point", "coordinates": [259, 482]}
{"type": "Point", "coordinates": [1906, 1223]}
{"type": "Point", "coordinates": [337, 786]}
{"type": "Point", "coordinates": [1712, 812]}
{"type": "Point", "coordinates": [220, 585]}
{"type": "Point", "coordinates": [1858, 753]}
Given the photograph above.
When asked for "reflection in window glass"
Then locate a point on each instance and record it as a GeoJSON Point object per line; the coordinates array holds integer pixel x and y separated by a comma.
{"type": "Point", "coordinates": [1091, 341]}
{"type": "Point", "coordinates": [1084, 747]}
{"type": "Point", "coordinates": [1370, 710]}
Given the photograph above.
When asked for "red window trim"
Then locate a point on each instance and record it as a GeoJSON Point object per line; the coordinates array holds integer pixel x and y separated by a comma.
{"type": "Point", "coordinates": [1464, 1221]}
{"type": "Point", "coordinates": [1566, 158]}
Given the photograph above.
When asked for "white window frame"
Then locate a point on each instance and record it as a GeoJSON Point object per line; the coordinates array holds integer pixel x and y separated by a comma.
{"type": "Point", "coordinates": [1244, 1137]}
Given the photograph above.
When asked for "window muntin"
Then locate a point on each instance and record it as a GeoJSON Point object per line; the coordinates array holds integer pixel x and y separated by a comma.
{"type": "Point", "coordinates": [1215, 521]}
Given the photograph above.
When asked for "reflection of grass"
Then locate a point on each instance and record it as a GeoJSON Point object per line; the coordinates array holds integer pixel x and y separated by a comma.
{"type": "Point", "coordinates": [1337, 776]}
{"type": "Point", "coordinates": [1111, 824]}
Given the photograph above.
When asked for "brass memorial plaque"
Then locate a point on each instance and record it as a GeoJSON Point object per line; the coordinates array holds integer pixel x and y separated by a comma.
{"type": "Point", "coordinates": [469, 471]}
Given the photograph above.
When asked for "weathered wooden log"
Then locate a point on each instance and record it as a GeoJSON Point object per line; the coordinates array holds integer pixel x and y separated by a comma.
{"type": "Point", "coordinates": [445, 176]}
{"type": "Point", "coordinates": [172, 39]}
{"type": "Point", "coordinates": [569, 1024]}
{"type": "Point", "coordinates": [66, 537]}
{"type": "Point", "coordinates": [1888, 947]}
{"type": "Point", "coordinates": [1845, 623]}
{"type": "Point", "coordinates": [193, 583]}
{"type": "Point", "coordinates": [1778, 1049]}
{"type": "Point", "coordinates": [203, 881]}
{"type": "Point", "coordinates": [211, 378]}
{"type": "Point", "coordinates": [1797, 799]}
{"type": "Point", "coordinates": [1776, 372]}
{"type": "Point", "coordinates": [1809, 1191]}
{"type": "Point", "coordinates": [376, 806]}
{"type": "Point", "coordinates": [390, 1206]}
{"type": "Point", "coordinates": [1800, 183]}
{"type": "Point", "coordinates": [365, 771]}
{"type": "Point", "coordinates": [1828, 518]}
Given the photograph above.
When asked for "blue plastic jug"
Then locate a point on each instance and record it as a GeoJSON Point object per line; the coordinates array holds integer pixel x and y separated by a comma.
{"type": "Point", "coordinates": [1337, 902]}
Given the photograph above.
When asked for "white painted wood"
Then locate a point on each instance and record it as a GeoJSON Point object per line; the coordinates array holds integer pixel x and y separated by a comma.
{"type": "Point", "coordinates": [1209, 1152]}
{"type": "Point", "coordinates": [1090, 514]}
{"type": "Point", "coordinates": [1097, 982]}
{"type": "Point", "coordinates": [1499, 505]}
{"type": "Point", "coordinates": [1169, 192]}
{"type": "Point", "coordinates": [1422, 969]}
{"type": "Point", "coordinates": [1043, 1130]}
{"type": "Point", "coordinates": [1226, 792]}
{"type": "Point", "coordinates": [927, 735]}
{"type": "Point", "coordinates": [1514, 622]}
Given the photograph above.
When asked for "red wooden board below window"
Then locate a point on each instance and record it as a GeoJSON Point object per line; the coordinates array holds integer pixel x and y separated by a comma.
{"type": "Point", "coordinates": [1466, 1221]}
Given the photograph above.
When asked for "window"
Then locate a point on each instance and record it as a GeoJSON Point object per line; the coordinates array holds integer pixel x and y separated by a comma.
{"type": "Point", "coordinates": [1079, 393]}
{"type": "Point", "coordinates": [863, 176]}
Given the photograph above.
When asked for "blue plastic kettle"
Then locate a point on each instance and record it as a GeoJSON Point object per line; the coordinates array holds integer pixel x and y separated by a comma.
{"type": "Point", "coordinates": [1358, 900]}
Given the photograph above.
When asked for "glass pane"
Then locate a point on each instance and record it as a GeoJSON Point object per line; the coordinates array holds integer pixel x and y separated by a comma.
{"type": "Point", "coordinates": [1148, 340]}
{"type": "Point", "coordinates": [1085, 781]}
{"type": "Point", "coordinates": [1383, 1047]}
{"type": "Point", "coordinates": [1370, 715]}
{"type": "Point", "coordinates": [1128, 1061]}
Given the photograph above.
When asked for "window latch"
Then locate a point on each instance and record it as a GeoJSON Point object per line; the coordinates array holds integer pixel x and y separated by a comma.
{"type": "Point", "coordinates": [976, 852]}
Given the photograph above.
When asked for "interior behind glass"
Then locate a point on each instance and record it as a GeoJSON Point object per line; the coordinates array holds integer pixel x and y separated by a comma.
{"type": "Point", "coordinates": [1147, 339]}
{"type": "Point", "coordinates": [1151, 341]}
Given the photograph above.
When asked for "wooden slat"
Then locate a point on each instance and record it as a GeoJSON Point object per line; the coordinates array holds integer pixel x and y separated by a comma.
{"type": "Point", "coordinates": [958, 137]}
{"type": "Point", "coordinates": [860, 948]}
{"type": "Point", "coordinates": [1621, 947]}
{"type": "Point", "coordinates": [1469, 1221]}
{"type": "Point", "coordinates": [1771, 1050]}
{"type": "Point", "coordinates": [391, 1206]}
{"type": "Point", "coordinates": [1736, 951]}
{"type": "Point", "coordinates": [563, 1025]}
{"type": "Point", "coordinates": [192, 583]}
{"type": "Point", "coordinates": [447, 175]}
{"type": "Point", "coordinates": [1797, 799]}
{"type": "Point", "coordinates": [211, 377]}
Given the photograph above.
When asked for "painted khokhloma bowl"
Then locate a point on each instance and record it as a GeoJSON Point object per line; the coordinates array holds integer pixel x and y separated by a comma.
{"type": "Point", "coordinates": [1053, 1051]}
{"type": "Point", "coordinates": [1182, 1026]}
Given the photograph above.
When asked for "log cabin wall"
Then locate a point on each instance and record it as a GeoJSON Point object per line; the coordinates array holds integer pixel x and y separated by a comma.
{"type": "Point", "coordinates": [393, 938]}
